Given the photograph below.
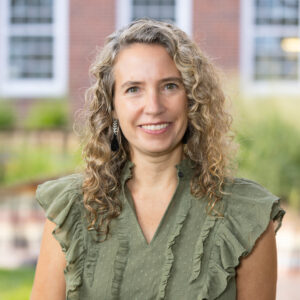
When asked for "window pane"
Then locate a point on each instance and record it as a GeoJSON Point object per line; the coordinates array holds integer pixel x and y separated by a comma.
{"type": "Point", "coordinates": [163, 10]}
{"type": "Point", "coordinates": [272, 62]}
{"type": "Point", "coordinates": [280, 12]}
{"type": "Point", "coordinates": [31, 57]}
{"type": "Point", "coordinates": [31, 11]}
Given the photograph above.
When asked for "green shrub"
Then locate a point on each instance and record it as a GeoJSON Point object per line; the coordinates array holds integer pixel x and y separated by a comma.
{"type": "Point", "coordinates": [33, 163]}
{"type": "Point", "coordinates": [7, 116]}
{"type": "Point", "coordinates": [47, 115]}
{"type": "Point", "coordinates": [269, 149]}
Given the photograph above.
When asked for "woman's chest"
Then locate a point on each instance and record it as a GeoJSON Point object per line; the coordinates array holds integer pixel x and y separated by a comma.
{"type": "Point", "coordinates": [175, 265]}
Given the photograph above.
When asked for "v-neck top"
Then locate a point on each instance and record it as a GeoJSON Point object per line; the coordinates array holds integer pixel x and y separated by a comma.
{"type": "Point", "coordinates": [192, 255]}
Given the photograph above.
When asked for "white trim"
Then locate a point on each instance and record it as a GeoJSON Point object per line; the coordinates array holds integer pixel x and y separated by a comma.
{"type": "Point", "coordinates": [249, 87]}
{"type": "Point", "coordinates": [30, 88]}
{"type": "Point", "coordinates": [246, 42]}
{"type": "Point", "coordinates": [3, 42]}
{"type": "Point", "coordinates": [183, 14]}
{"type": "Point", "coordinates": [123, 13]}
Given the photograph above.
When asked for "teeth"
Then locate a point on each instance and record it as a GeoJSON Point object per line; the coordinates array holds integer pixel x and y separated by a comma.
{"type": "Point", "coordinates": [155, 127]}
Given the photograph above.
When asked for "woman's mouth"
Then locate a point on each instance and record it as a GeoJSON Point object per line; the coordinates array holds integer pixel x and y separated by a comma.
{"type": "Point", "coordinates": [155, 128]}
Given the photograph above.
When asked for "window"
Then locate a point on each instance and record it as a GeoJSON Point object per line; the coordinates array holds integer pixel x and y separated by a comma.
{"type": "Point", "coordinates": [163, 10]}
{"type": "Point", "coordinates": [33, 48]}
{"type": "Point", "coordinates": [175, 11]}
{"type": "Point", "coordinates": [271, 45]}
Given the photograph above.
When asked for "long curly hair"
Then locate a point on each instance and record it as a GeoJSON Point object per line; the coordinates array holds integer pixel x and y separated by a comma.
{"type": "Point", "coordinates": [209, 145]}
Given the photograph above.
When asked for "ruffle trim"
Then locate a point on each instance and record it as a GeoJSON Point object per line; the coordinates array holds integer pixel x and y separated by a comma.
{"type": "Point", "coordinates": [91, 262]}
{"type": "Point", "coordinates": [199, 248]}
{"type": "Point", "coordinates": [61, 202]}
{"type": "Point", "coordinates": [120, 261]}
{"type": "Point", "coordinates": [166, 270]}
{"type": "Point", "coordinates": [235, 237]}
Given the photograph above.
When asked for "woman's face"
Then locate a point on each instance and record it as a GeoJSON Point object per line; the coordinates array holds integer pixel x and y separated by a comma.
{"type": "Point", "coordinates": [150, 100]}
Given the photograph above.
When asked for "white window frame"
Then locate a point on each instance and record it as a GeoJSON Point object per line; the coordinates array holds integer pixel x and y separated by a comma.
{"type": "Point", "coordinates": [249, 86]}
{"type": "Point", "coordinates": [183, 14]}
{"type": "Point", "coordinates": [36, 88]}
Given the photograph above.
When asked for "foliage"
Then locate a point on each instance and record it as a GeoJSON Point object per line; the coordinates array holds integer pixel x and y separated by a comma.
{"type": "Point", "coordinates": [31, 162]}
{"type": "Point", "coordinates": [47, 114]}
{"type": "Point", "coordinates": [269, 147]}
{"type": "Point", "coordinates": [16, 284]}
{"type": "Point", "coordinates": [7, 116]}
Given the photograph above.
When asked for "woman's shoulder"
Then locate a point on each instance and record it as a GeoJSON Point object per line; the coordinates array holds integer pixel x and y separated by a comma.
{"type": "Point", "coordinates": [248, 200]}
{"type": "Point", "coordinates": [249, 208]}
{"type": "Point", "coordinates": [61, 200]}
{"type": "Point", "coordinates": [58, 195]}
{"type": "Point", "coordinates": [250, 189]}
{"type": "Point", "coordinates": [64, 183]}
{"type": "Point", "coordinates": [240, 192]}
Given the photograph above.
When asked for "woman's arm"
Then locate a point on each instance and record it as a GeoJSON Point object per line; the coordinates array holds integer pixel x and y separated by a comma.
{"type": "Point", "coordinates": [49, 282]}
{"type": "Point", "coordinates": [257, 273]}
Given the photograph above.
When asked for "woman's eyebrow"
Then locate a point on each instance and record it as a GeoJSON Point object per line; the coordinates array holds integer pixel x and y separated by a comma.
{"type": "Point", "coordinates": [167, 79]}
{"type": "Point", "coordinates": [176, 79]}
{"type": "Point", "coordinates": [131, 83]}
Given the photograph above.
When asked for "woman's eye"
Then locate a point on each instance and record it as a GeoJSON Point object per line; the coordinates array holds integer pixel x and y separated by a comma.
{"type": "Point", "coordinates": [132, 89]}
{"type": "Point", "coordinates": [170, 86]}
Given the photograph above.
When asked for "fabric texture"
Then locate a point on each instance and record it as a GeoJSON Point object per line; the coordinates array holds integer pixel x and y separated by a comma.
{"type": "Point", "coordinates": [192, 255]}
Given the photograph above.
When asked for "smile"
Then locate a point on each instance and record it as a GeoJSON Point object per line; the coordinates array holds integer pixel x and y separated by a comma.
{"type": "Point", "coordinates": [155, 127]}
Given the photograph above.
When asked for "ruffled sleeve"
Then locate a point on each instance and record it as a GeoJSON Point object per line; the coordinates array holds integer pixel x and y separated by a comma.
{"type": "Point", "coordinates": [249, 208]}
{"type": "Point", "coordinates": [61, 201]}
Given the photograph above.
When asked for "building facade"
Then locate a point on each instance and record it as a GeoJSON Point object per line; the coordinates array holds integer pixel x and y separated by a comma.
{"type": "Point", "coordinates": [46, 46]}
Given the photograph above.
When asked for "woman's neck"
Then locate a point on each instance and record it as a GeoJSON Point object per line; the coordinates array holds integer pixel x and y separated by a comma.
{"type": "Point", "coordinates": [155, 172]}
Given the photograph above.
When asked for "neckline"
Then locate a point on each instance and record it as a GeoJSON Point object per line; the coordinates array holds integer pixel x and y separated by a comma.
{"type": "Point", "coordinates": [158, 229]}
{"type": "Point", "coordinates": [184, 166]}
{"type": "Point", "coordinates": [183, 174]}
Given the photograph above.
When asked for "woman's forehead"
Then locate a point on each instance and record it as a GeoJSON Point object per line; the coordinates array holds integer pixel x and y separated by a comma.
{"type": "Point", "coordinates": [144, 61]}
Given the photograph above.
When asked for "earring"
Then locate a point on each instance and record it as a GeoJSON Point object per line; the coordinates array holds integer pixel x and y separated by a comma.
{"type": "Point", "coordinates": [186, 136]}
{"type": "Point", "coordinates": [114, 146]}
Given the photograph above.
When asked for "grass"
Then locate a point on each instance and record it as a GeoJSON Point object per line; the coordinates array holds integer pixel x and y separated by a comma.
{"type": "Point", "coordinates": [16, 284]}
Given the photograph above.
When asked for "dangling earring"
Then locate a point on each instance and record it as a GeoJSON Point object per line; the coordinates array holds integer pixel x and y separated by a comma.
{"type": "Point", "coordinates": [186, 136]}
{"type": "Point", "coordinates": [114, 146]}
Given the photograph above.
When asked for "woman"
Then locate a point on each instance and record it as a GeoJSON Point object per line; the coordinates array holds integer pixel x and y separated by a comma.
{"type": "Point", "coordinates": [156, 213]}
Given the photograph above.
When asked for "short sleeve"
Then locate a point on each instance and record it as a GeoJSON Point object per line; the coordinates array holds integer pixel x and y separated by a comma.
{"type": "Point", "coordinates": [248, 210]}
{"type": "Point", "coordinates": [61, 201]}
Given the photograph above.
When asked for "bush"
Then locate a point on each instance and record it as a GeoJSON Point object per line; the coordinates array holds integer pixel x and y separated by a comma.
{"type": "Point", "coordinates": [7, 116]}
{"type": "Point", "coordinates": [32, 163]}
{"type": "Point", "coordinates": [269, 149]}
{"type": "Point", "coordinates": [47, 115]}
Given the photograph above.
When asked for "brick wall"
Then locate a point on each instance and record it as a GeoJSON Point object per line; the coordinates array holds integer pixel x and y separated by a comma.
{"type": "Point", "coordinates": [90, 22]}
{"type": "Point", "coordinates": [216, 30]}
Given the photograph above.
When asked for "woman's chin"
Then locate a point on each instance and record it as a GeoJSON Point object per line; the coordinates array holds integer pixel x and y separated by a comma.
{"type": "Point", "coordinates": [157, 149]}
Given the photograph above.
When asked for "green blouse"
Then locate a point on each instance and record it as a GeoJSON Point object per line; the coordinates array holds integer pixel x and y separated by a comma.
{"type": "Point", "coordinates": [191, 256]}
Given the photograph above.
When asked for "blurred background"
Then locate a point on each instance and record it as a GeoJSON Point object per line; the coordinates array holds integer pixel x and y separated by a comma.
{"type": "Point", "coordinates": [46, 47]}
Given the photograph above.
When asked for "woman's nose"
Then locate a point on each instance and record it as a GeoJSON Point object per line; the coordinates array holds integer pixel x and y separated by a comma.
{"type": "Point", "coordinates": [153, 103]}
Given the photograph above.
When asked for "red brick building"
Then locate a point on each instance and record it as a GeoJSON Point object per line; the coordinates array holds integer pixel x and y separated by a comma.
{"type": "Point", "coordinates": [46, 46]}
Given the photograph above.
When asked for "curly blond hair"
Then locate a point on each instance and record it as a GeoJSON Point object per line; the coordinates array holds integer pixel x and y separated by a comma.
{"type": "Point", "coordinates": [209, 145]}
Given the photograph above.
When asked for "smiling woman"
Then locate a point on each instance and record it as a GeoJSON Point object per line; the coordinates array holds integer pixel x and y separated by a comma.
{"type": "Point", "coordinates": [157, 212]}
{"type": "Point", "coordinates": [152, 107]}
